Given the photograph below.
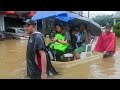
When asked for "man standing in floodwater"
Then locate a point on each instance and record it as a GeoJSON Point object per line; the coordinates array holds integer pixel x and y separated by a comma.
{"type": "Point", "coordinates": [106, 42]}
{"type": "Point", "coordinates": [36, 55]}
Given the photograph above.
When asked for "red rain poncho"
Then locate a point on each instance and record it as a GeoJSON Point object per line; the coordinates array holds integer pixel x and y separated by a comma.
{"type": "Point", "coordinates": [106, 42]}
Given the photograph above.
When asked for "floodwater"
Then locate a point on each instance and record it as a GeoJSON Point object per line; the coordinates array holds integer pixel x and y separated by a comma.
{"type": "Point", "coordinates": [12, 59]}
{"type": "Point", "coordinates": [13, 64]}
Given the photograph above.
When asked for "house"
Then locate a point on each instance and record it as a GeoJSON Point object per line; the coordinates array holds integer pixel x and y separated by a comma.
{"type": "Point", "coordinates": [13, 18]}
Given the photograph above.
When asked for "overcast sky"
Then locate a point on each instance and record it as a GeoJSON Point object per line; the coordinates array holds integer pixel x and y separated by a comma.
{"type": "Point", "coordinates": [95, 13]}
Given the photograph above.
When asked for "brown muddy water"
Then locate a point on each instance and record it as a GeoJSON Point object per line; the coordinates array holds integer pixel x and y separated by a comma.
{"type": "Point", "coordinates": [13, 64]}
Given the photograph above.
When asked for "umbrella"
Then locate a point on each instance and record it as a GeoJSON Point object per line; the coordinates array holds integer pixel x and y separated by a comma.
{"type": "Point", "coordinates": [46, 14]}
{"type": "Point", "coordinates": [75, 19]}
{"type": "Point", "coordinates": [93, 27]}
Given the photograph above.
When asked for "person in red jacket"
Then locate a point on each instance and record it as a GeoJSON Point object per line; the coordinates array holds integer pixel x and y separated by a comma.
{"type": "Point", "coordinates": [106, 42]}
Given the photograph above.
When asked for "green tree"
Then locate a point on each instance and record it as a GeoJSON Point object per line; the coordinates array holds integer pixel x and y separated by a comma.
{"type": "Point", "coordinates": [104, 19]}
{"type": "Point", "coordinates": [116, 29]}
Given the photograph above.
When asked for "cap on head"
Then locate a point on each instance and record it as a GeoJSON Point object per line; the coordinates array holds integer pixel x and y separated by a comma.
{"type": "Point", "coordinates": [30, 22]}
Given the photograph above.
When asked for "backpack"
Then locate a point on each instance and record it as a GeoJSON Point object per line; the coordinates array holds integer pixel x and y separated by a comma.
{"type": "Point", "coordinates": [50, 68]}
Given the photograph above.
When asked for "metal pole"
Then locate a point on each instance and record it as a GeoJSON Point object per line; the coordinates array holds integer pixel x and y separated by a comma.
{"type": "Point", "coordinates": [81, 13]}
{"type": "Point", "coordinates": [88, 14]}
{"type": "Point", "coordinates": [36, 25]}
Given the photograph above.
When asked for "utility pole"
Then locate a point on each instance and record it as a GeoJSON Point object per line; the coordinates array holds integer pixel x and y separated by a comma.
{"type": "Point", "coordinates": [81, 13]}
{"type": "Point", "coordinates": [88, 14]}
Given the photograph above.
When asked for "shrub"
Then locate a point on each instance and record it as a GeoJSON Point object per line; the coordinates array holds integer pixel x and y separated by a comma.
{"type": "Point", "coordinates": [116, 29]}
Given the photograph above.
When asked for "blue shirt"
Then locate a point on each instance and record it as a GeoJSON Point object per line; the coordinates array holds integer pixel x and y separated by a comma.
{"type": "Point", "coordinates": [79, 37]}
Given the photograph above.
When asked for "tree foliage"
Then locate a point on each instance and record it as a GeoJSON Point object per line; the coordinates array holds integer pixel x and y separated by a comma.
{"type": "Point", "coordinates": [104, 19]}
{"type": "Point", "coordinates": [116, 29]}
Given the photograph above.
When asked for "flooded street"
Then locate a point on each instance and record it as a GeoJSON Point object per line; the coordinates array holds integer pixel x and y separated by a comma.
{"type": "Point", "coordinates": [100, 69]}
{"type": "Point", "coordinates": [13, 64]}
{"type": "Point", "coordinates": [12, 59]}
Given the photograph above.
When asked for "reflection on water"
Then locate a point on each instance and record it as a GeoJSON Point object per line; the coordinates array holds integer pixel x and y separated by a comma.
{"type": "Point", "coordinates": [13, 64]}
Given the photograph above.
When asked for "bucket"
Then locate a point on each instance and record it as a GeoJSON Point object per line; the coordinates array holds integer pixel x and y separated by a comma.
{"type": "Point", "coordinates": [68, 56]}
{"type": "Point", "coordinates": [83, 55]}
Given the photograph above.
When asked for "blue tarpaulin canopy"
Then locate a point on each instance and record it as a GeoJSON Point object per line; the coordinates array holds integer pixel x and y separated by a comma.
{"type": "Point", "coordinates": [46, 14]}
{"type": "Point", "coordinates": [68, 17]}
{"type": "Point", "coordinates": [71, 18]}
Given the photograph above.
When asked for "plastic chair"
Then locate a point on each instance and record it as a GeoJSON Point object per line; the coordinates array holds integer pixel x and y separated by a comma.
{"type": "Point", "coordinates": [89, 48]}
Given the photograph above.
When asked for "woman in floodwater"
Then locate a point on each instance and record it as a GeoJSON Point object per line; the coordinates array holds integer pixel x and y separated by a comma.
{"type": "Point", "coordinates": [106, 42]}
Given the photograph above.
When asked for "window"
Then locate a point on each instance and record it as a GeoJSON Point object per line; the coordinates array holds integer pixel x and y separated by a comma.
{"type": "Point", "coordinates": [10, 30]}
